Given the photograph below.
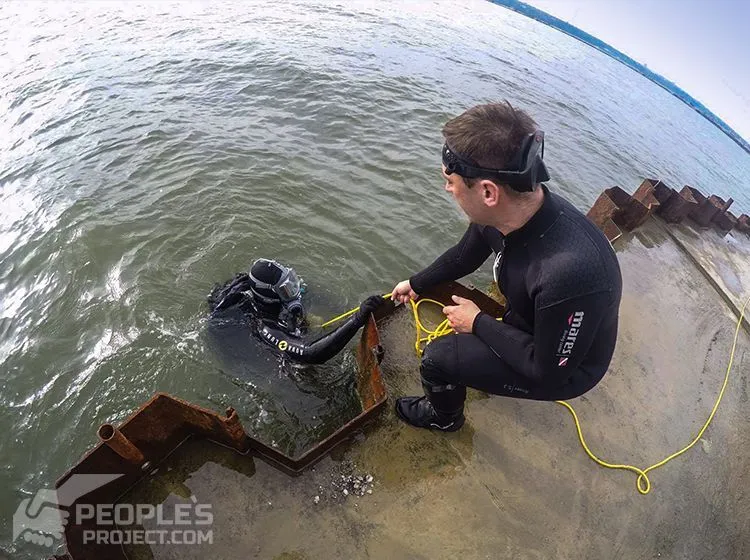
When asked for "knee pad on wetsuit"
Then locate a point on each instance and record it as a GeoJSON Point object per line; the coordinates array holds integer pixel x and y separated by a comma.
{"type": "Point", "coordinates": [437, 370]}
{"type": "Point", "coordinates": [439, 360]}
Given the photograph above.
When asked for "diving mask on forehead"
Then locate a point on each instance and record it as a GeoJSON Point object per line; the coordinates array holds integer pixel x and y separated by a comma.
{"type": "Point", "coordinates": [524, 171]}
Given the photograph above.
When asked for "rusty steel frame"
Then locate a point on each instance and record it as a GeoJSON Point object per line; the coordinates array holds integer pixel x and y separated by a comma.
{"type": "Point", "coordinates": [135, 448]}
{"type": "Point", "coordinates": [616, 211]}
{"type": "Point", "coordinates": [674, 206]}
{"type": "Point", "coordinates": [704, 211]}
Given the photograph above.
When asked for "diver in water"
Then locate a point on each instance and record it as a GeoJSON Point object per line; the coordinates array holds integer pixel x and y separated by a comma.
{"type": "Point", "coordinates": [270, 295]}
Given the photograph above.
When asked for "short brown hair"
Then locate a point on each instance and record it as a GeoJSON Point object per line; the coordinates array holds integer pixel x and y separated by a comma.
{"type": "Point", "coordinates": [489, 135]}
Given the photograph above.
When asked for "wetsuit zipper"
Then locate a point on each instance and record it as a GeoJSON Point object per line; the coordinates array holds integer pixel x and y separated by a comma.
{"type": "Point", "coordinates": [497, 271]}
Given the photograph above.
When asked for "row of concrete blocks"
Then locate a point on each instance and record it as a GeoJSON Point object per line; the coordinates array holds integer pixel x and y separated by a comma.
{"type": "Point", "coordinates": [616, 211]}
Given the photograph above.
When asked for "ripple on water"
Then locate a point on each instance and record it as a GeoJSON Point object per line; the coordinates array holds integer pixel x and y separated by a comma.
{"type": "Point", "coordinates": [149, 152]}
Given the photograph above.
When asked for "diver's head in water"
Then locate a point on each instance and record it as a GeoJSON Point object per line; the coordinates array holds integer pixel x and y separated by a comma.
{"type": "Point", "coordinates": [270, 290]}
{"type": "Point", "coordinates": [277, 294]}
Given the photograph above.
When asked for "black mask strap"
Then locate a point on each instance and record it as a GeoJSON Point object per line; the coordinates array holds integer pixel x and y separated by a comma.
{"type": "Point", "coordinates": [525, 170]}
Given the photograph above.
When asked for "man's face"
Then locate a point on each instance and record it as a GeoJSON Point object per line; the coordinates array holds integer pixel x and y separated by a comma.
{"type": "Point", "coordinates": [467, 198]}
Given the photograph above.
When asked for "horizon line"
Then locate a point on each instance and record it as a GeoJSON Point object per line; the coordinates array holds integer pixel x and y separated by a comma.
{"type": "Point", "coordinates": [577, 33]}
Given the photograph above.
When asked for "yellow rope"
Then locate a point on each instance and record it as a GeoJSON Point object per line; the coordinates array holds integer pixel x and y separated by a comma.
{"type": "Point", "coordinates": [347, 314]}
{"type": "Point", "coordinates": [643, 484]}
{"type": "Point", "coordinates": [441, 330]}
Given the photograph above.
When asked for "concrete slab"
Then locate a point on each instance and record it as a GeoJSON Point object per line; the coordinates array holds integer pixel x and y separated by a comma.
{"type": "Point", "coordinates": [724, 259]}
{"type": "Point", "coordinates": [514, 482]}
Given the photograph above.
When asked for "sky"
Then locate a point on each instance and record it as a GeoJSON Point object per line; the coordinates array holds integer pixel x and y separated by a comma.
{"type": "Point", "coordinates": [703, 46]}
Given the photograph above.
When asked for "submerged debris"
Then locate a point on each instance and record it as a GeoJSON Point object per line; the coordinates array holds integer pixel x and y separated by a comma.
{"type": "Point", "coordinates": [350, 482]}
{"type": "Point", "coordinates": [345, 482]}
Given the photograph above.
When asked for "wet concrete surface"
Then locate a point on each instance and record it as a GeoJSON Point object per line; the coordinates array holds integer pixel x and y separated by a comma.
{"type": "Point", "coordinates": [725, 260]}
{"type": "Point", "coordinates": [514, 481]}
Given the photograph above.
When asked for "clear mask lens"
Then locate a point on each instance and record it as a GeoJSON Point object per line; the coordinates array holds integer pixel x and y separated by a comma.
{"type": "Point", "coordinates": [289, 287]}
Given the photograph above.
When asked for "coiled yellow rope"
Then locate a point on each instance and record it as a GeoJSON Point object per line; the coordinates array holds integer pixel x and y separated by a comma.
{"type": "Point", "coordinates": [643, 484]}
{"type": "Point", "coordinates": [441, 330]}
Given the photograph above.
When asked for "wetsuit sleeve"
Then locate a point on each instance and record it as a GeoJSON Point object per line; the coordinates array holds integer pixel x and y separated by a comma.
{"type": "Point", "coordinates": [458, 261]}
{"type": "Point", "coordinates": [563, 334]}
{"type": "Point", "coordinates": [318, 351]}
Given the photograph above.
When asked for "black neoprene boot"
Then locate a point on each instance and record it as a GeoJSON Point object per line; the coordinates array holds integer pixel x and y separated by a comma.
{"type": "Point", "coordinates": [441, 407]}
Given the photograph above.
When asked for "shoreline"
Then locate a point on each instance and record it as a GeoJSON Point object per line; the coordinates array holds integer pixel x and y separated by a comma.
{"type": "Point", "coordinates": [588, 39]}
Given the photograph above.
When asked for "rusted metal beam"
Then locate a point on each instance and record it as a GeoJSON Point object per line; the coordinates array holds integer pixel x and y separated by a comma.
{"type": "Point", "coordinates": [724, 222]}
{"type": "Point", "coordinates": [601, 214]}
{"type": "Point", "coordinates": [743, 224]}
{"type": "Point", "coordinates": [662, 191]}
{"type": "Point", "coordinates": [443, 293]}
{"type": "Point", "coordinates": [704, 211]}
{"type": "Point", "coordinates": [611, 231]}
{"type": "Point", "coordinates": [615, 210]}
{"type": "Point", "coordinates": [155, 430]}
{"type": "Point", "coordinates": [121, 445]}
{"type": "Point", "coordinates": [675, 206]}
{"type": "Point", "coordinates": [602, 210]}
{"type": "Point", "coordinates": [645, 194]}
{"type": "Point", "coordinates": [720, 203]}
{"type": "Point", "coordinates": [631, 213]}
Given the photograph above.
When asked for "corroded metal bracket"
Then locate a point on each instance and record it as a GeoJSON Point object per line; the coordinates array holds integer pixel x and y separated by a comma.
{"type": "Point", "coordinates": [743, 224]}
{"type": "Point", "coordinates": [704, 211]}
{"type": "Point", "coordinates": [162, 424]}
{"type": "Point", "coordinates": [673, 206]}
{"type": "Point", "coordinates": [616, 211]}
{"type": "Point", "coordinates": [601, 214]}
{"type": "Point", "coordinates": [724, 221]}
{"type": "Point", "coordinates": [132, 450]}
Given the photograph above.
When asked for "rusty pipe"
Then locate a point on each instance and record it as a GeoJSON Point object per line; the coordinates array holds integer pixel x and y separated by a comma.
{"type": "Point", "coordinates": [121, 445]}
{"type": "Point", "coordinates": [235, 431]}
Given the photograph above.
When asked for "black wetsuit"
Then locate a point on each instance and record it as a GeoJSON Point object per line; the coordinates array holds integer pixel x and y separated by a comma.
{"type": "Point", "coordinates": [562, 282]}
{"type": "Point", "coordinates": [235, 294]}
{"type": "Point", "coordinates": [310, 352]}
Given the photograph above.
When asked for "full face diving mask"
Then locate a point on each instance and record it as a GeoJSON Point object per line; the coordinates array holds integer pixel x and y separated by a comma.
{"type": "Point", "coordinates": [288, 289]}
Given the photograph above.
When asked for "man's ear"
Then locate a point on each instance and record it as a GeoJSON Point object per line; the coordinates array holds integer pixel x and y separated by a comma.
{"type": "Point", "coordinates": [490, 192]}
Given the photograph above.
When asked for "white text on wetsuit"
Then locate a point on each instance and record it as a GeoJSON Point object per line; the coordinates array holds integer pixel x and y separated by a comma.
{"type": "Point", "coordinates": [569, 337]}
{"type": "Point", "coordinates": [283, 345]}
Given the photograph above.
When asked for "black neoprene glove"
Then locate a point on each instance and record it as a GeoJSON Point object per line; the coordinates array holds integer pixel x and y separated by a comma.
{"type": "Point", "coordinates": [368, 306]}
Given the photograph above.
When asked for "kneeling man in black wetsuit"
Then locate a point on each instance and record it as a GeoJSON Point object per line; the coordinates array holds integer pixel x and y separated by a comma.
{"type": "Point", "coordinates": [557, 270]}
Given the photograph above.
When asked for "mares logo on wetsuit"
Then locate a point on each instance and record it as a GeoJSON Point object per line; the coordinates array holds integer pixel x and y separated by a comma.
{"type": "Point", "coordinates": [568, 339]}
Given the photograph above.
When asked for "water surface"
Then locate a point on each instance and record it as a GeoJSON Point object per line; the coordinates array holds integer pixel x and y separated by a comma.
{"type": "Point", "coordinates": [148, 151]}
